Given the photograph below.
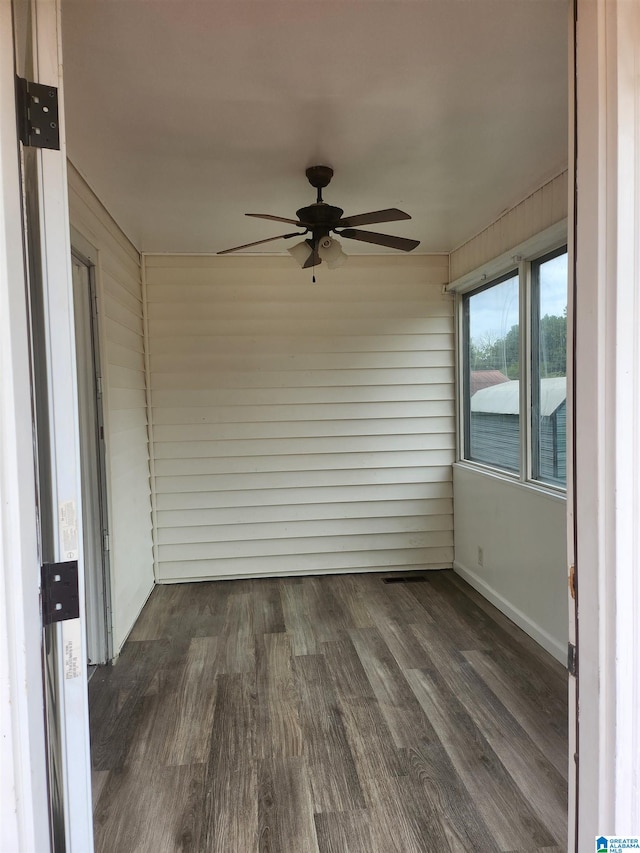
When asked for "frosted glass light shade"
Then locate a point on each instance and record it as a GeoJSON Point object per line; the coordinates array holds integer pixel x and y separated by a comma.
{"type": "Point", "coordinates": [331, 253]}
{"type": "Point", "coordinates": [301, 252]}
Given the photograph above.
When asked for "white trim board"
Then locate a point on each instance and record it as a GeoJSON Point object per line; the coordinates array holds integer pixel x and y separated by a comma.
{"type": "Point", "coordinates": [541, 243]}
{"type": "Point", "coordinates": [301, 573]}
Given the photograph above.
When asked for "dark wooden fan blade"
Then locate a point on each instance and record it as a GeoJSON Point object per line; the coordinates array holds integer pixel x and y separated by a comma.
{"type": "Point", "coordinates": [391, 214]}
{"type": "Point", "coordinates": [389, 240]}
{"type": "Point", "coordinates": [258, 242]}
{"type": "Point", "coordinates": [277, 219]}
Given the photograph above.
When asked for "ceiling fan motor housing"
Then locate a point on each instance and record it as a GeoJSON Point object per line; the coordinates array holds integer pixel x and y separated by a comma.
{"type": "Point", "coordinates": [319, 176]}
{"type": "Point", "coordinates": [320, 218]}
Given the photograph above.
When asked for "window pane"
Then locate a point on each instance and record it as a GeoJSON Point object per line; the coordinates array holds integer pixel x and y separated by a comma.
{"type": "Point", "coordinates": [492, 395]}
{"type": "Point", "coordinates": [549, 362]}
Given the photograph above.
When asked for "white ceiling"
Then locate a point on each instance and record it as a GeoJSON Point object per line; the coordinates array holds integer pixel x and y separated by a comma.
{"type": "Point", "coordinates": [185, 114]}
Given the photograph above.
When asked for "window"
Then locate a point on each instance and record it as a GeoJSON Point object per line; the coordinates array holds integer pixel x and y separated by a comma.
{"type": "Point", "coordinates": [492, 336]}
{"type": "Point", "coordinates": [549, 369]}
{"type": "Point", "coordinates": [514, 321]}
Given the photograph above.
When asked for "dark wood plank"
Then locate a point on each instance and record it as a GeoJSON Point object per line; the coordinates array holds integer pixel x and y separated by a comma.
{"type": "Point", "coordinates": [278, 701]}
{"type": "Point", "coordinates": [511, 636]}
{"type": "Point", "coordinates": [461, 630]}
{"type": "Point", "coordinates": [391, 601]}
{"type": "Point", "coordinates": [151, 624]}
{"type": "Point", "coordinates": [190, 739]}
{"type": "Point", "coordinates": [312, 614]}
{"type": "Point", "coordinates": [539, 850]}
{"type": "Point", "coordinates": [230, 808]}
{"type": "Point", "coordinates": [98, 781]}
{"type": "Point", "coordinates": [268, 616]}
{"type": "Point", "coordinates": [334, 779]}
{"type": "Point", "coordinates": [398, 705]}
{"type": "Point", "coordinates": [176, 710]}
{"type": "Point", "coordinates": [372, 746]}
{"type": "Point", "coordinates": [546, 789]}
{"type": "Point", "coordinates": [378, 764]}
{"type": "Point", "coordinates": [236, 642]}
{"type": "Point", "coordinates": [394, 825]}
{"type": "Point", "coordinates": [118, 714]}
{"type": "Point", "coordinates": [504, 810]}
{"type": "Point", "coordinates": [537, 720]}
{"type": "Point", "coordinates": [401, 643]}
{"type": "Point", "coordinates": [456, 815]}
{"type": "Point", "coordinates": [285, 807]}
{"type": "Point", "coordinates": [353, 598]}
{"type": "Point", "coordinates": [150, 809]}
{"type": "Point", "coordinates": [430, 767]}
{"type": "Point", "coordinates": [202, 608]}
{"type": "Point", "coordinates": [176, 611]}
{"type": "Point", "coordinates": [518, 753]}
{"type": "Point", "coordinates": [344, 832]}
{"type": "Point", "coordinates": [328, 618]}
{"type": "Point", "coordinates": [296, 617]}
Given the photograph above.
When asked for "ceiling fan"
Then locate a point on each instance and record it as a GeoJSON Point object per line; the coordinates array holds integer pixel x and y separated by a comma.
{"type": "Point", "coordinates": [321, 219]}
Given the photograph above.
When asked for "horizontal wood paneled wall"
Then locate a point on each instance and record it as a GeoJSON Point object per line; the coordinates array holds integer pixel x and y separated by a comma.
{"type": "Point", "coordinates": [536, 213]}
{"type": "Point", "coordinates": [300, 427]}
{"type": "Point", "coordinates": [119, 289]}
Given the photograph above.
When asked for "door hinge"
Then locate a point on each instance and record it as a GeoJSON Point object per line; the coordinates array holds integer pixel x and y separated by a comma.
{"type": "Point", "coordinates": [572, 660]}
{"type": "Point", "coordinates": [60, 599]}
{"type": "Point", "coordinates": [99, 386]}
{"type": "Point", "coordinates": [106, 544]}
{"type": "Point", "coordinates": [37, 107]}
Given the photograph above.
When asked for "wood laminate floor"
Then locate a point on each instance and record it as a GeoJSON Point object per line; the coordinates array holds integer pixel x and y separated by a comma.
{"type": "Point", "coordinates": [333, 714]}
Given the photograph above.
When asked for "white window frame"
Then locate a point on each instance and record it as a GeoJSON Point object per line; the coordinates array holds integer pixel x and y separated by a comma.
{"type": "Point", "coordinates": [517, 260]}
{"type": "Point", "coordinates": [530, 378]}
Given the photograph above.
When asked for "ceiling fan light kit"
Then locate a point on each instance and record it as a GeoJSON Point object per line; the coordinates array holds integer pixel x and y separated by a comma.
{"type": "Point", "coordinates": [320, 219]}
{"type": "Point", "coordinates": [301, 252]}
{"type": "Point", "coordinates": [330, 251]}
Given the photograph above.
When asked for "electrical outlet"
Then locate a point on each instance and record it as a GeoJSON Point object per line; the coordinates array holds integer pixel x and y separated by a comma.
{"type": "Point", "coordinates": [480, 556]}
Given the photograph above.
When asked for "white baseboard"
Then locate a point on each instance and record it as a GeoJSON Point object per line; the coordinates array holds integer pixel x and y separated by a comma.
{"type": "Point", "coordinates": [312, 572]}
{"type": "Point", "coordinates": [549, 643]}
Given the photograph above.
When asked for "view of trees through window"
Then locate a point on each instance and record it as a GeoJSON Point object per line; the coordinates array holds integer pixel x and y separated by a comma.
{"type": "Point", "coordinates": [492, 336]}
{"type": "Point", "coordinates": [549, 368]}
{"type": "Point", "coordinates": [494, 353]}
{"type": "Point", "coordinates": [493, 370]}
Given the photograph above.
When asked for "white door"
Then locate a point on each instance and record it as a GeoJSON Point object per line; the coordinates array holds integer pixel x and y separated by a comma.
{"type": "Point", "coordinates": [54, 400]}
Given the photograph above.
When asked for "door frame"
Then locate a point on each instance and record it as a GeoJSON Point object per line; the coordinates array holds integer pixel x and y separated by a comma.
{"type": "Point", "coordinates": [607, 382]}
{"type": "Point", "coordinates": [29, 684]}
{"type": "Point", "coordinates": [23, 781]}
{"type": "Point", "coordinates": [606, 498]}
{"type": "Point", "coordinates": [98, 590]}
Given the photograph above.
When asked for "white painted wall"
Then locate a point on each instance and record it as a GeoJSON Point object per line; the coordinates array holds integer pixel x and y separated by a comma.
{"type": "Point", "coordinates": [299, 427]}
{"type": "Point", "coordinates": [521, 528]}
{"type": "Point", "coordinates": [120, 313]}
{"type": "Point", "coordinates": [522, 533]}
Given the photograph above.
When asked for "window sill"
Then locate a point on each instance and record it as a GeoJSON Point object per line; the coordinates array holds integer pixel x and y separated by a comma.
{"type": "Point", "coordinates": [513, 480]}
